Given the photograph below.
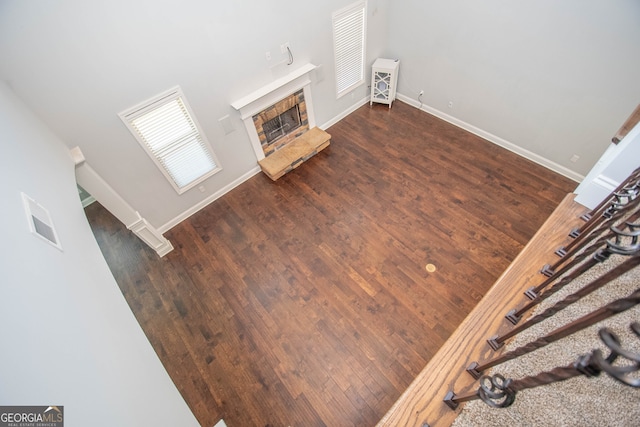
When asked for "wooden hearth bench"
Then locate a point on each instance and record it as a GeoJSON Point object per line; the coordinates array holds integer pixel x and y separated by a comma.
{"type": "Point", "coordinates": [295, 153]}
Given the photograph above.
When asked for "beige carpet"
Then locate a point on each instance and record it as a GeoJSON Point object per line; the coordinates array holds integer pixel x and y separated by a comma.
{"type": "Point", "coordinates": [581, 401]}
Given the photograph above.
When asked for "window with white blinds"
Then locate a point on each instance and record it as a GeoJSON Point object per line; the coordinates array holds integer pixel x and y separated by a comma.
{"type": "Point", "coordinates": [169, 133]}
{"type": "Point", "coordinates": [349, 30]}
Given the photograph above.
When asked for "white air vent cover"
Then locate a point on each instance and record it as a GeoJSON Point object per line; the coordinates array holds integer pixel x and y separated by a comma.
{"type": "Point", "coordinates": [40, 222]}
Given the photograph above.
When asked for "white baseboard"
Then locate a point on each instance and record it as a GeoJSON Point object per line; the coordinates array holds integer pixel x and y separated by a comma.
{"type": "Point", "coordinates": [151, 236]}
{"type": "Point", "coordinates": [186, 214]}
{"type": "Point", "coordinates": [596, 190]}
{"type": "Point", "coordinates": [164, 249]}
{"type": "Point", "coordinates": [542, 161]}
{"type": "Point", "coordinates": [89, 200]}
{"type": "Point", "coordinates": [344, 114]}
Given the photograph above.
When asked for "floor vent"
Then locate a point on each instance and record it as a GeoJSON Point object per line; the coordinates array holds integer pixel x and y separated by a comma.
{"type": "Point", "coordinates": [40, 223]}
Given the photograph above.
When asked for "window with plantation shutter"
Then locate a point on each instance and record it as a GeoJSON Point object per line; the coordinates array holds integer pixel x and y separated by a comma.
{"type": "Point", "coordinates": [167, 130]}
{"type": "Point", "coordinates": [349, 29]}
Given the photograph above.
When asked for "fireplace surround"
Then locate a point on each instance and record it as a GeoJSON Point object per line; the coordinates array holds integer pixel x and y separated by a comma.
{"type": "Point", "coordinates": [282, 122]}
{"type": "Point", "coordinates": [275, 99]}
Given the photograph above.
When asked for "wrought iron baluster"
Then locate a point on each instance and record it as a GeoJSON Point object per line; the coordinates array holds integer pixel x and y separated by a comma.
{"type": "Point", "coordinates": [534, 292]}
{"type": "Point", "coordinates": [615, 246]}
{"type": "Point", "coordinates": [499, 392]}
{"type": "Point", "coordinates": [633, 176]}
{"type": "Point", "coordinates": [498, 341]}
{"type": "Point", "coordinates": [620, 373]}
{"type": "Point", "coordinates": [604, 312]}
{"type": "Point", "coordinates": [618, 200]}
{"type": "Point", "coordinates": [624, 202]}
{"type": "Point", "coordinates": [627, 217]}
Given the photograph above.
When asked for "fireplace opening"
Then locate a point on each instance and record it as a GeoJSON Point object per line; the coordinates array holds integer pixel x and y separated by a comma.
{"type": "Point", "coordinates": [282, 124]}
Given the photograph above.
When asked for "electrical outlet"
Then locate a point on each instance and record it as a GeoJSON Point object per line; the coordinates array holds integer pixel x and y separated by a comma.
{"type": "Point", "coordinates": [574, 158]}
{"type": "Point", "coordinates": [284, 47]}
{"type": "Point", "coordinates": [421, 93]}
{"type": "Point", "coordinates": [450, 104]}
{"type": "Point", "coordinates": [268, 56]}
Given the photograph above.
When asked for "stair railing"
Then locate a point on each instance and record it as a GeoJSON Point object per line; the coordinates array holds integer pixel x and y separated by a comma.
{"type": "Point", "coordinates": [610, 229]}
{"type": "Point", "coordinates": [499, 392]}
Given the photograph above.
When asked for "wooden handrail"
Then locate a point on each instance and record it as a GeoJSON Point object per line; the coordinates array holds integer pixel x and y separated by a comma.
{"type": "Point", "coordinates": [629, 124]}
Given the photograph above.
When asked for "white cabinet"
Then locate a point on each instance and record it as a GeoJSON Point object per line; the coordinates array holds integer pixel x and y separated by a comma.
{"type": "Point", "coordinates": [384, 81]}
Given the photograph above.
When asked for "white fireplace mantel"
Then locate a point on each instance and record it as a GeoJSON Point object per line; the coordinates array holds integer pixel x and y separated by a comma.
{"type": "Point", "coordinates": [270, 94]}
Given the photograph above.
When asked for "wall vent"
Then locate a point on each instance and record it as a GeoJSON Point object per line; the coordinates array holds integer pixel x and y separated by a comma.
{"type": "Point", "coordinates": [40, 223]}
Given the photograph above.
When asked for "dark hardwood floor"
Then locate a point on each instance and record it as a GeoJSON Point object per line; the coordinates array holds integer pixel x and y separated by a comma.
{"type": "Point", "coordinates": [306, 302]}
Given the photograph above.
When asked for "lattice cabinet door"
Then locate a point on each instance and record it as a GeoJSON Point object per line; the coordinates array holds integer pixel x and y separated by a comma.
{"type": "Point", "coordinates": [384, 80]}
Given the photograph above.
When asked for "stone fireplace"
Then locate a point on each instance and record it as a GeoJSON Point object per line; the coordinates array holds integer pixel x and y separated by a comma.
{"type": "Point", "coordinates": [279, 112]}
{"type": "Point", "coordinates": [282, 122]}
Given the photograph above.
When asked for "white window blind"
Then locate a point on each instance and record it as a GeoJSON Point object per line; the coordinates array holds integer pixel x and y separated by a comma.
{"type": "Point", "coordinates": [170, 135]}
{"type": "Point", "coordinates": [349, 30]}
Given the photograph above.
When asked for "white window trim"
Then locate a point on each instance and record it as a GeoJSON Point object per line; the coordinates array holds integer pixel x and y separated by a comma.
{"type": "Point", "coordinates": [139, 110]}
{"type": "Point", "coordinates": [357, 7]}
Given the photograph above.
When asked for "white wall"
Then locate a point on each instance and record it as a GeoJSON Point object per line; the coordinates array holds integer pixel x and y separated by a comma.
{"type": "Point", "coordinates": [551, 78]}
{"type": "Point", "coordinates": [555, 78]}
{"type": "Point", "coordinates": [79, 63]}
{"type": "Point", "coordinates": [68, 336]}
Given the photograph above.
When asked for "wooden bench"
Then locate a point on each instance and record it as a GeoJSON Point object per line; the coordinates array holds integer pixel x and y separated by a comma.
{"type": "Point", "coordinates": [295, 153]}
